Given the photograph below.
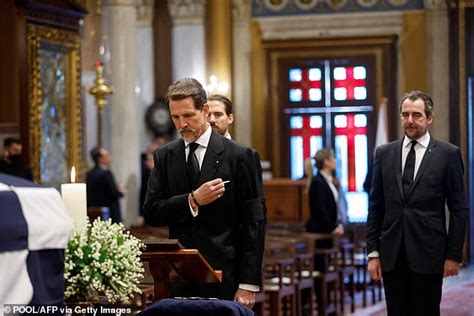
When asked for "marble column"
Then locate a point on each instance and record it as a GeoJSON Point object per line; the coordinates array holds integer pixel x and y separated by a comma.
{"type": "Point", "coordinates": [188, 40]}
{"type": "Point", "coordinates": [145, 67]}
{"type": "Point", "coordinates": [241, 87]}
{"type": "Point", "coordinates": [437, 30]}
{"type": "Point", "coordinates": [119, 24]}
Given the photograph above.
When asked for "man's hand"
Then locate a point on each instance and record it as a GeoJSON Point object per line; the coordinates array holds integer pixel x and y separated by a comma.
{"type": "Point", "coordinates": [245, 297]}
{"type": "Point", "coordinates": [209, 192]}
{"type": "Point", "coordinates": [375, 269]}
{"type": "Point", "coordinates": [451, 268]}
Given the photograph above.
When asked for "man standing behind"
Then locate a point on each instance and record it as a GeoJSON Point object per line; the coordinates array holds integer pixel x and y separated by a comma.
{"type": "Point", "coordinates": [220, 114]}
{"type": "Point", "coordinates": [11, 161]}
{"type": "Point", "coordinates": [407, 240]}
{"type": "Point", "coordinates": [102, 190]}
{"type": "Point", "coordinates": [187, 192]}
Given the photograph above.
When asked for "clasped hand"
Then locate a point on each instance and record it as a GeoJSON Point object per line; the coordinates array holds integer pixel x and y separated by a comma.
{"type": "Point", "coordinates": [209, 192]}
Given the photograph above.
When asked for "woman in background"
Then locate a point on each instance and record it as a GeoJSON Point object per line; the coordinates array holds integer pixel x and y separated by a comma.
{"type": "Point", "coordinates": [324, 197]}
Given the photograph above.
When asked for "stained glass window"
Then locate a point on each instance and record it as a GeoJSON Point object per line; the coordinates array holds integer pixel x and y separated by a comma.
{"type": "Point", "coordinates": [305, 84]}
{"type": "Point", "coordinates": [329, 103]}
{"type": "Point", "coordinates": [305, 140]}
{"type": "Point", "coordinates": [350, 83]}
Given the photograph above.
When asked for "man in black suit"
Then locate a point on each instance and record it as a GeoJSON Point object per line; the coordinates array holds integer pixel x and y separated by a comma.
{"type": "Point", "coordinates": [407, 240]}
{"type": "Point", "coordinates": [188, 191]}
{"type": "Point", "coordinates": [102, 190]}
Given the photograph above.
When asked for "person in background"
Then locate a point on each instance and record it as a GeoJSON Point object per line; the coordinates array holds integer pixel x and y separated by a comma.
{"type": "Point", "coordinates": [324, 197]}
{"type": "Point", "coordinates": [408, 245]}
{"type": "Point", "coordinates": [102, 190]}
{"type": "Point", "coordinates": [11, 162]}
{"type": "Point", "coordinates": [147, 167]}
{"type": "Point", "coordinates": [204, 188]}
{"type": "Point", "coordinates": [220, 114]}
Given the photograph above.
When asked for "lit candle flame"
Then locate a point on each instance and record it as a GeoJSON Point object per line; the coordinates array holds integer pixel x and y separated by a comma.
{"type": "Point", "coordinates": [73, 174]}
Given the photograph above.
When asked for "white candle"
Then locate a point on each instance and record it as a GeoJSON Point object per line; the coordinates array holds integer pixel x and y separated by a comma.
{"type": "Point", "coordinates": [75, 199]}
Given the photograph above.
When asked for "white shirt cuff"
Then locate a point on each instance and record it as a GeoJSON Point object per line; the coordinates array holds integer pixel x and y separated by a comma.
{"type": "Point", "coordinates": [194, 211]}
{"type": "Point", "coordinates": [249, 287]}
{"type": "Point", "coordinates": [373, 254]}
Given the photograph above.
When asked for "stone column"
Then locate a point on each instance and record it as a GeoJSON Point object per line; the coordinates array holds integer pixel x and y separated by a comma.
{"type": "Point", "coordinates": [437, 30]}
{"type": "Point", "coordinates": [145, 67]}
{"type": "Point", "coordinates": [188, 40]}
{"type": "Point", "coordinates": [119, 23]}
{"type": "Point", "coordinates": [241, 87]}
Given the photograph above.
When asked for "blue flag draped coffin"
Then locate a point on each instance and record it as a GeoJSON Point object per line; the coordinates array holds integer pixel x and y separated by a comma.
{"type": "Point", "coordinates": [34, 231]}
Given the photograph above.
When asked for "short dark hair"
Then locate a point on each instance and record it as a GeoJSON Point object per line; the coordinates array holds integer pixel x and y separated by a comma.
{"type": "Point", "coordinates": [96, 153]}
{"type": "Point", "coordinates": [322, 155]}
{"type": "Point", "coordinates": [222, 98]}
{"type": "Point", "coordinates": [187, 87]}
{"type": "Point", "coordinates": [415, 95]}
{"type": "Point", "coordinates": [11, 140]}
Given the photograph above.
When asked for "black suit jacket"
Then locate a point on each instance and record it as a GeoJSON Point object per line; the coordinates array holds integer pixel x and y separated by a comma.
{"type": "Point", "coordinates": [102, 191]}
{"type": "Point", "coordinates": [419, 217]}
{"type": "Point", "coordinates": [322, 207]}
{"type": "Point", "coordinates": [230, 231]}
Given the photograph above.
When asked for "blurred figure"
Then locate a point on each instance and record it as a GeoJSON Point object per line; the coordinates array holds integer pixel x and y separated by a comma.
{"type": "Point", "coordinates": [324, 197]}
{"type": "Point", "coordinates": [220, 114]}
{"type": "Point", "coordinates": [102, 190]}
{"type": "Point", "coordinates": [11, 162]}
{"type": "Point", "coordinates": [147, 167]}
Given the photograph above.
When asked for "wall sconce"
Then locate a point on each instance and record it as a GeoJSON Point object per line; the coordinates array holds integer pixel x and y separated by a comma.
{"type": "Point", "coordinates": [215, 86]}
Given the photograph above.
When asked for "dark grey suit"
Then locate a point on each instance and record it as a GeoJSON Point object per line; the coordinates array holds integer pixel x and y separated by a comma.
{"type": "Point", "coordinates": [230, 231]}
{"type": "Point", "coordinates": [417, 221]}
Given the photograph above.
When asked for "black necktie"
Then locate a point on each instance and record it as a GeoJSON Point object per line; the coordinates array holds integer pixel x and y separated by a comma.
{"type": "Point", "coordinates": [409, 171]}
{"type": "Point", "coordinates": [193, 165]}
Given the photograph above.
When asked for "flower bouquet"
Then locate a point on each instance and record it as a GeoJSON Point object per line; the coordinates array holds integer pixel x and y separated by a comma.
{"type": "Point", "coordinates": [103, 260]}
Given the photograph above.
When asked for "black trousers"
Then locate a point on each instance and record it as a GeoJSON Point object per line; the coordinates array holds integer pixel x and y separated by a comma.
{"type": "Point", "coordinates": [409, 293]}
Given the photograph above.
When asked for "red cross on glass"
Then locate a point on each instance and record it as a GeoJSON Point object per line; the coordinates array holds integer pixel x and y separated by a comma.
{"type": "Point", "coordinates": [305, 84]}
{"type": "Point", "coordinates": [306, 132]}
{"type": "Point", "coordinates": [350, 131]}
{"type": "Point", "coordinates": [349, 83]}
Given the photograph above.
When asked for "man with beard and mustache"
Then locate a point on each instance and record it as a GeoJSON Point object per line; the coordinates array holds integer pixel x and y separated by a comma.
{"type": "Point", "coordinates": [204, 188]}
{"type": "Point", "coordinates": [11, 162]}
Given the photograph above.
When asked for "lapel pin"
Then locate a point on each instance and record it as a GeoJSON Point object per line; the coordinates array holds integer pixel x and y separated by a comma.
{"type": "Point", "coordinates": [217, 161]}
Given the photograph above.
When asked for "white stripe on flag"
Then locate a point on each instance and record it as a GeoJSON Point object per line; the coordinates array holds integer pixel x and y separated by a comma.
{"type": "Point", "coordinates": [381, 136]}
{"type": "Point", "coordinates": [16, 287]}
{"type": "Point", "coordinates": [49, 225]}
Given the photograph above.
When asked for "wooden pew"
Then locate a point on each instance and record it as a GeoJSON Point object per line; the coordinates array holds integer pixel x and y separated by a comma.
{"type": "Point", "coordinates": [279, 278]}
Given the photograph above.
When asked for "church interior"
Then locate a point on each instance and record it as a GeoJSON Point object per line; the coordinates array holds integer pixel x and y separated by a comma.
{"type": "Point", "coordinates": [302, 75]}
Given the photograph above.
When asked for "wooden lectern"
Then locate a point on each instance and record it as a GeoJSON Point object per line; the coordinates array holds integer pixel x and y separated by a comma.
{"type": "Point", "coordinates": [170, 263]}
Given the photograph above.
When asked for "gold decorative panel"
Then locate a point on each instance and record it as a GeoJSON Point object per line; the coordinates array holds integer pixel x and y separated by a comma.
{"type": "Point", "coordinates": [54, 98]}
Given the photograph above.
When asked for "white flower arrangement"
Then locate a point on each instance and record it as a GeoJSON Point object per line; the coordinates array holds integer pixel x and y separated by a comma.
{"type": "Point", "coordinates": [103, 260]}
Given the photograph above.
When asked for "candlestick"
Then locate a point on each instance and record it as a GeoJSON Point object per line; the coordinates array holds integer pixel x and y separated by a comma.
{"type": "Point", "coordinates": [75, 199]}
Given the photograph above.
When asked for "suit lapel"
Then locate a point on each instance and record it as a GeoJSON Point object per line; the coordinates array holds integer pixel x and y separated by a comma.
{"type": "Point", "coordinates": [398, 165]}
{"type": "Point", "coordinates": [177, 166]}
{"type": "Point", "coordinates": [424, 163]}
{"type": "Point", "coordinates": [212, 158]}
